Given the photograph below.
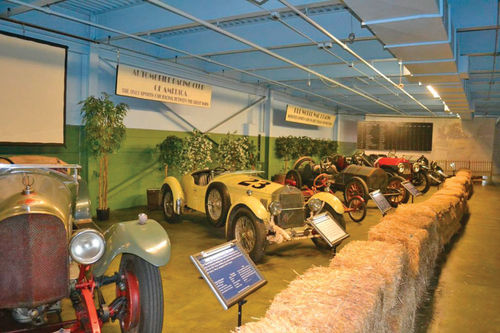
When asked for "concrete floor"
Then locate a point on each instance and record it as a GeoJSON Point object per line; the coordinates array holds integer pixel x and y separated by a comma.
{"type": "Point", "coordinates": [467, 297]}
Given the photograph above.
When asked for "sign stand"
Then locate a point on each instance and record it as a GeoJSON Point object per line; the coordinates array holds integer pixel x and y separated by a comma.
{"type": "Point", "coordinates": [381, 201]}
{"type": "Point", "coordinates": [230, 274]}
{"type": "Point", "coordinates": [411, 189]}
{"type": "Point", "coordinates": [240, 309]}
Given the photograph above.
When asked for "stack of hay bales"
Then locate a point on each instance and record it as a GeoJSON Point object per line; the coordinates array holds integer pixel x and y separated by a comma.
{"type": "Point", "coordinates": [374, 285]}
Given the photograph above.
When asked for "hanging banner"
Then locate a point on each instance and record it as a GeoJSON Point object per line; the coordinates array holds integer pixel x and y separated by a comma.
{"type": "Point", "coordinates": [140, 83]}
{"type": "Point", "coordinates": [310, 117]}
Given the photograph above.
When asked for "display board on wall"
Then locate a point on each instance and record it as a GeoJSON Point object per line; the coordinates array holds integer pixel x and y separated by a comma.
{"type": "Point", "coordinates": [300, 115]}
{"type": "Point", "coordinates": [32, 91]}
{"type": "Point", "coordinates": [156, 86]}
{"type": "Point", "coordinates": [391, 135]}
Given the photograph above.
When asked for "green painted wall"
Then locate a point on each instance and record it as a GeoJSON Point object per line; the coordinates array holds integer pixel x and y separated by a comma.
{"type": "Point", "coordinates": [134, 168]}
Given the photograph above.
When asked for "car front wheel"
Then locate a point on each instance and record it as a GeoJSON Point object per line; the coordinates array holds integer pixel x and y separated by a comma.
{"type": "Point", "coordinates": [142, 288]}
{"type": "Point", "coordinates": [168, 205]}
{"type": "Point", "coordinates": [250, 233]}
{"type": "Point", "coordinates": [399, 193]}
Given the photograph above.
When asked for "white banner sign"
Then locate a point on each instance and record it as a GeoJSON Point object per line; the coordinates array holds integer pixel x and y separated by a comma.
{"type": "Point", "coordinates": [310, 117]}
{"type": "Point", "coordinates": [140, 83]}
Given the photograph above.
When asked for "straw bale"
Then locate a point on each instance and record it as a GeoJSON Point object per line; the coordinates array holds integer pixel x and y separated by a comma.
{"type": "Point", "coordinates": [464, 172]}
{"type": "Point", "coordinates": [331, 300]}
{"type": "Point", "coordinates": [415, 240]}
{"type": "Point", "coordinates": [401, 318]}
{"type": "Point", "coordinates": [452, 191]}
{"type": "Point", "coordinates": [269, 325]}
{"type": "Point", "coordinates": [368, 257]}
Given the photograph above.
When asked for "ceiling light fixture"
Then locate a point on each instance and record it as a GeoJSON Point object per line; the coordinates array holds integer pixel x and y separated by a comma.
{"type": "Point", "coordinates": [433, 91]}
{"type": "Point", "coordinates": [446, 108]}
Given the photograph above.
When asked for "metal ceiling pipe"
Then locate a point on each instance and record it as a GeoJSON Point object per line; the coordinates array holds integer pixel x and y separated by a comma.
{"type": "Point", "coordinates": [348, 49]}
{"type": "Point", "coordinates": [99, 26]}
{"type": "Point", "coordinates": [268, 52]}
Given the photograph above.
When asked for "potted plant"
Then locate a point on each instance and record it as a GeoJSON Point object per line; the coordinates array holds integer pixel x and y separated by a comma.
{"type": "Point", "coordinates": [170, 152]}
{"type": "Point", "coordinates": [196, 152]}
{"type": "Point", "coordinates": [236, 152]}
{"type": "Point", "coordinates": [104, 132]}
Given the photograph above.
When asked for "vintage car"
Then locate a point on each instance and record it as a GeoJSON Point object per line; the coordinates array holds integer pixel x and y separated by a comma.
{"type": "Point", "coordinates": [410, 170]}
{"type": "Point", "coordinates": [255, 211]}
{"type": "Point", "coordinates": [353, 180]}
{"type": "Point", "coordinates": [50, 250]}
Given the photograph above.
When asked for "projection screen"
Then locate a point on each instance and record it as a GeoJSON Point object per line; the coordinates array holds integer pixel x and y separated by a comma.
{"type": "Point", "coordinates": [32, 91]}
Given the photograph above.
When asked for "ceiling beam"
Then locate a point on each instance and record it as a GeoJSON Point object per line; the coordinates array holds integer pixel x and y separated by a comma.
{"type": "Point", "coordinates": [277, 47]}
{"type": "Point", "coordinates": [220, 22]}
{"type": "Point", "coordinates": [23, 9]}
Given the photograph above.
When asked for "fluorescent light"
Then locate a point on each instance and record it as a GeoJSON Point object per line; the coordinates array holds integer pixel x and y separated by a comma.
{"type": "Point", "coordinates": [446, 108]}
{"type": "Point", "coordinates": [433, 91]}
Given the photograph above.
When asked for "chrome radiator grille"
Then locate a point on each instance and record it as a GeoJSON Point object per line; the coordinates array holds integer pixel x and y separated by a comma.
{"type": "Point", "coordinates": [292, 203]}
{"type": "Point", "coordinates": [34, 259]}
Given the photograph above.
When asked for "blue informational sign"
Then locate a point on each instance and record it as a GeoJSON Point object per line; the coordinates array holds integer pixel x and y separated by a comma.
{"type": "Point", "coordinates": [229, 272]}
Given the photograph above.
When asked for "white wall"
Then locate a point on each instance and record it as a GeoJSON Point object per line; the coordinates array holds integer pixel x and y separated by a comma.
{"type": "Point", "coordinates": [453, 139]}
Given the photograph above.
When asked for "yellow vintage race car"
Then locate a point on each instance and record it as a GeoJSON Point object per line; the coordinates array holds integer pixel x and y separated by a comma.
{"type": "Point", "coordinates": [255, 211]}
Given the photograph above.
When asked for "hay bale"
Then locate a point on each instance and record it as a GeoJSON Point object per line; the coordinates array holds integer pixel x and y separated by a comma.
{"type": "Point", "coordinates": [448, 215]}
{"type": "Point", "coordinates": [422, 250]}
{"type": "Point", "coordinates": [464, 172]}
{"type": "Point", "coordinates": [331, 300]}
{"type": "Point", "coordinates": [402, 317]}
{"type": "Point", "coordinates": [368, 257]}
{"type": "Point", "coordinates": [269, 325]}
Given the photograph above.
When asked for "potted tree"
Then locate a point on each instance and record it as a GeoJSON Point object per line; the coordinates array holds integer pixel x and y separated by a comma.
{"type": "Point", "coordinates": [236, 152]}
{"type": "Point", "coordinates": [104, 132]}
{"type": "Point", "coordinates": [170, 152]}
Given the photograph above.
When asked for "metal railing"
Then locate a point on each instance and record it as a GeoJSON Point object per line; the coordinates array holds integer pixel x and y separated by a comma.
{"type": "Point", "coordinates": [478, 168]}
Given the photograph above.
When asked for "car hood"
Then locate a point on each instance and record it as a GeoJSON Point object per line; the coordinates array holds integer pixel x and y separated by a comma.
{"type": "Point", "coordinates": [241, 183]}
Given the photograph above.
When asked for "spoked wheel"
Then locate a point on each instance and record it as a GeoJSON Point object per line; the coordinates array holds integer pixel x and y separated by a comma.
{"type": "Point", "coordinates": [168, 205]}
{"type": "Point", "coordinates": [293, 178]}
{"type": "Point", "coordinates": [356, 187]}
{"type": "Point", "coordinates": [356, 209]}
{"type": "Point", "coordinates": [400, 194]}
{"type": "Point", "coordinates": [142, 288]}
{"type": "Point", "coordinates": [319, 241]}
{"type": "Point", "coordinates": [250, 233]}
{"type": "Point", "coordinates": [421, 182]}
{"type": "Point", "coordinates": [217, 204]}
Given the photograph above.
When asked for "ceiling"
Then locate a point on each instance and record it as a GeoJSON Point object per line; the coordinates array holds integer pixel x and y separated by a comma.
{"type": "Point", "coordinates": [358, 56]}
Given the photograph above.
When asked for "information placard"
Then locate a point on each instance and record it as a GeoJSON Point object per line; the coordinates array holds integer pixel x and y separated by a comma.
{"type": "Point", "coordinates": [411, 188]}
{"type": "Point", "coordinates": [229, 272]}
{"type": "Point", "coordinates": [381, 201]}
{"type": "Point", "coordinates": [329, 229]}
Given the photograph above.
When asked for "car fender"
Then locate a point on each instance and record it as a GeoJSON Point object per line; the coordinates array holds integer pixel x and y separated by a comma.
{"type": "Point", "coordinates": [251, 203]}
{"type": "Point", "coordinates": [148, 241]}
{"type": "Point", "coordinates": [331, 200]}
{"type": "Point", "coordinates": [176, 188]}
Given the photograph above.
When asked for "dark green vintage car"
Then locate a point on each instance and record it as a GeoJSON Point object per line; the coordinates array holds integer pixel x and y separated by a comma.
{"type": "Point", "coordinates": [352, 180]}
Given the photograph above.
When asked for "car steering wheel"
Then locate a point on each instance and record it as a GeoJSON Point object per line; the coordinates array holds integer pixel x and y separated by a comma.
{"type": "Point", "coordinates": [7, 159]}
{"type": "Point", "coordinates": [326, 162]}
{"type": "Point", "coordinates": [321, 181]}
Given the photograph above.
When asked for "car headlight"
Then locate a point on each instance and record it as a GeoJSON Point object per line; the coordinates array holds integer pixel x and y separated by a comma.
{"type": "Point", "coordinates": [416, 167]}
{"type": "Point", "coordinates": [275, 208]}
{"type": "Point", "coordinates": [87, 246]}
{"type": "Point", "coordinates": [401, 168]}
{"type": "Point", "coordinates": [315, 205]}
